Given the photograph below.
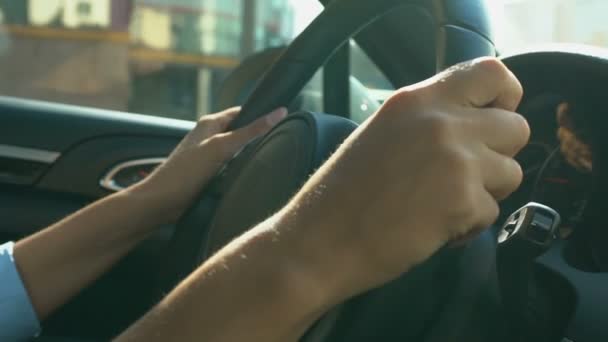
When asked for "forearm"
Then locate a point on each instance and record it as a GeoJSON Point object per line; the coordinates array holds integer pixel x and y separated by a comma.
{"type": "Point", "coordinates": [261, 287]}
{"type": "Point", "coordinates": [58, 262]}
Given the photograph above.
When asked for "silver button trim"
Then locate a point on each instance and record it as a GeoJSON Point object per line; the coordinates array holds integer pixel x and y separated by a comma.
{"type": "Point", "coordinates": [108, 182]}
{"type": "Point", "coordinates": [29, 154]}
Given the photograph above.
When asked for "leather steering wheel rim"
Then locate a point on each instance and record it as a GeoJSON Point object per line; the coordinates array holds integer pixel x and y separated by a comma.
{"type": "Point", "coordinates": [461, 33]}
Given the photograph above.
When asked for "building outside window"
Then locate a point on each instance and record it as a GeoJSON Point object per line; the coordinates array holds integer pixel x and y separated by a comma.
{"type": "Point", "coordinates": [158, 57]}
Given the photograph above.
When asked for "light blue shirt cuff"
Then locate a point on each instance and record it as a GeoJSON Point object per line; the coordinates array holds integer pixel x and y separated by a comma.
{"type": "Point", "coordinates": [18, 320]}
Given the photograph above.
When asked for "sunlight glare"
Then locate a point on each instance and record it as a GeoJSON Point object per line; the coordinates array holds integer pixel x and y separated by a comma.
{"type": "Point", "coordinates": [305, 12]}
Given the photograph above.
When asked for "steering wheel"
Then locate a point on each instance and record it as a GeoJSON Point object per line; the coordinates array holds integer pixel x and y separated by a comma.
{"type": "Point", "coordinates": [267, 172]}
{"type": "Point", "coordinates": [577, 74]}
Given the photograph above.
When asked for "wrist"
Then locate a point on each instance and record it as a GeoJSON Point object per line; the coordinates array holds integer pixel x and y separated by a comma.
{"type": "Point", "coordinates": [323, 266]}
{"type": "Point", "coordinates": [300, 293]}
{"type": "Point", "coordinates": [152, 204]}
{"type": "Point", "coordinates": [146, 209]}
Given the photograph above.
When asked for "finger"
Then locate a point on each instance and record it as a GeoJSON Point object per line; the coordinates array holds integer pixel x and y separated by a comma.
{"type": "Point", "coordinates": [483, 82]}
{"type": "Point", "coordinates": [502, 131]}
{"type": "Point", "coordinates": [501, 175]}
{"type": "Point", "coordinates": [223, 119]}
{"type": "Point", "coordinates": [486, 213]}
{"type": "Point", "coordinates": [235, 140]}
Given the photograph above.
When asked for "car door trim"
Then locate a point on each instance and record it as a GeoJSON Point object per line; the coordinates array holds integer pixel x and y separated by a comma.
{"type": "Point", "coordinates": [29, 154]}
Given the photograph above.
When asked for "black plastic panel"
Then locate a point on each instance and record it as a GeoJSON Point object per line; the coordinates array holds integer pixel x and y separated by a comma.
{"type": "Point", "coordinates": [588, 320]}
{"type": "Point", "coordinates": [80, 169]}
{"type": "Point", "coordinates": [21, 172]}
{"type": "Point", "coordinates": [25, 210]}
{"type": "Point", "coordinates": [57, 127]}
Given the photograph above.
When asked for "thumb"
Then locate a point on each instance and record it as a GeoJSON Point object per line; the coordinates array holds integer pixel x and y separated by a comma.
{"type": "Point", "coordinates": [237, 139]}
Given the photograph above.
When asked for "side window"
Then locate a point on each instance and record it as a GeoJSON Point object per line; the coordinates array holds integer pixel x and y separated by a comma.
{"type": "Point", "coordinates": [369, 87]}
{"type": "Point", "coordinates": [156, 57]}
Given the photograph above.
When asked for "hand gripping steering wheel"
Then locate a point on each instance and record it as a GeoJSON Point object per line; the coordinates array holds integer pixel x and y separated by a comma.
{"type": "Point", "coordinates": [433, 302]}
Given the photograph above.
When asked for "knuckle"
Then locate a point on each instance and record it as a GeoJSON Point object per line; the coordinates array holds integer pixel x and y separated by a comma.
{"type": "Point", "coordinates": [490, 214]}
{"type": "Point", "coordinates": [460, 164]}
{"type": "Point", "coordinates": [523, 130]}
{"type": "Point", "coordinates": [204, 124]}
{"type": "Point", "coordinates": [392, 103]}
{"type": "Point", "coordinates": [492, 67]}
{"type": "Point", "coordinates": [464, 203]}
{"type": "Point", "coordinates": [439, 128]}
{"type": "Point", "coordinates": [518, 88]}
{"type": "Point", "coordinates": [402, 99]}
{"type": "Point", "coordinates": [214, 142]}
{"type": "Point", "coordinates": [205, 119]}
{"type": "Point", "coordinates": [517, 175]}
{"type": "Point", "coordinates": [513, 176]}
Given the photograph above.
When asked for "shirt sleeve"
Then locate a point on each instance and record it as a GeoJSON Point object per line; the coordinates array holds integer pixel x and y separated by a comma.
{"type": "Point", "coordinates": [18, 320]}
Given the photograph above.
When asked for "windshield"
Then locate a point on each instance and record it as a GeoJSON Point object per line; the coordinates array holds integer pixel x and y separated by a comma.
{"type": "Point", "coordinates": [531, 24]}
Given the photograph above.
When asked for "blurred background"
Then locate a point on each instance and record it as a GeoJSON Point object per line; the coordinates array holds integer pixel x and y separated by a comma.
{"type": "Point", "coordinates": [168, 57]}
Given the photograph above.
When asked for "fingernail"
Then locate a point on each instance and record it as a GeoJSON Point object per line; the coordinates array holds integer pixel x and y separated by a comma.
{"type": "Point", "coordinates": [276, 116]}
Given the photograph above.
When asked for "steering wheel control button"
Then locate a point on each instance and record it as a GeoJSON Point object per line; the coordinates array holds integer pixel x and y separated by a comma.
{"type": "Point", "coordinates": [541, 229]}
{"type": "Point", "coordinates": [534, 222]}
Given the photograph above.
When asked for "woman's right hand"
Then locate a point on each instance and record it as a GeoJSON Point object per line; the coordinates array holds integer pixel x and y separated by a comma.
{"type": "Point", "coordinates": [427, 169]}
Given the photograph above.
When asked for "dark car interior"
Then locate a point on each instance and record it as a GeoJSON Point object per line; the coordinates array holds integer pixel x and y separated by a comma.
{"type": "Point", "coordinates": [538, 275]}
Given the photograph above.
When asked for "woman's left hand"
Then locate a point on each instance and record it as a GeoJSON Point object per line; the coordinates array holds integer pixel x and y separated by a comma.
{"type": "Point", "coordinates": [171, 188]}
